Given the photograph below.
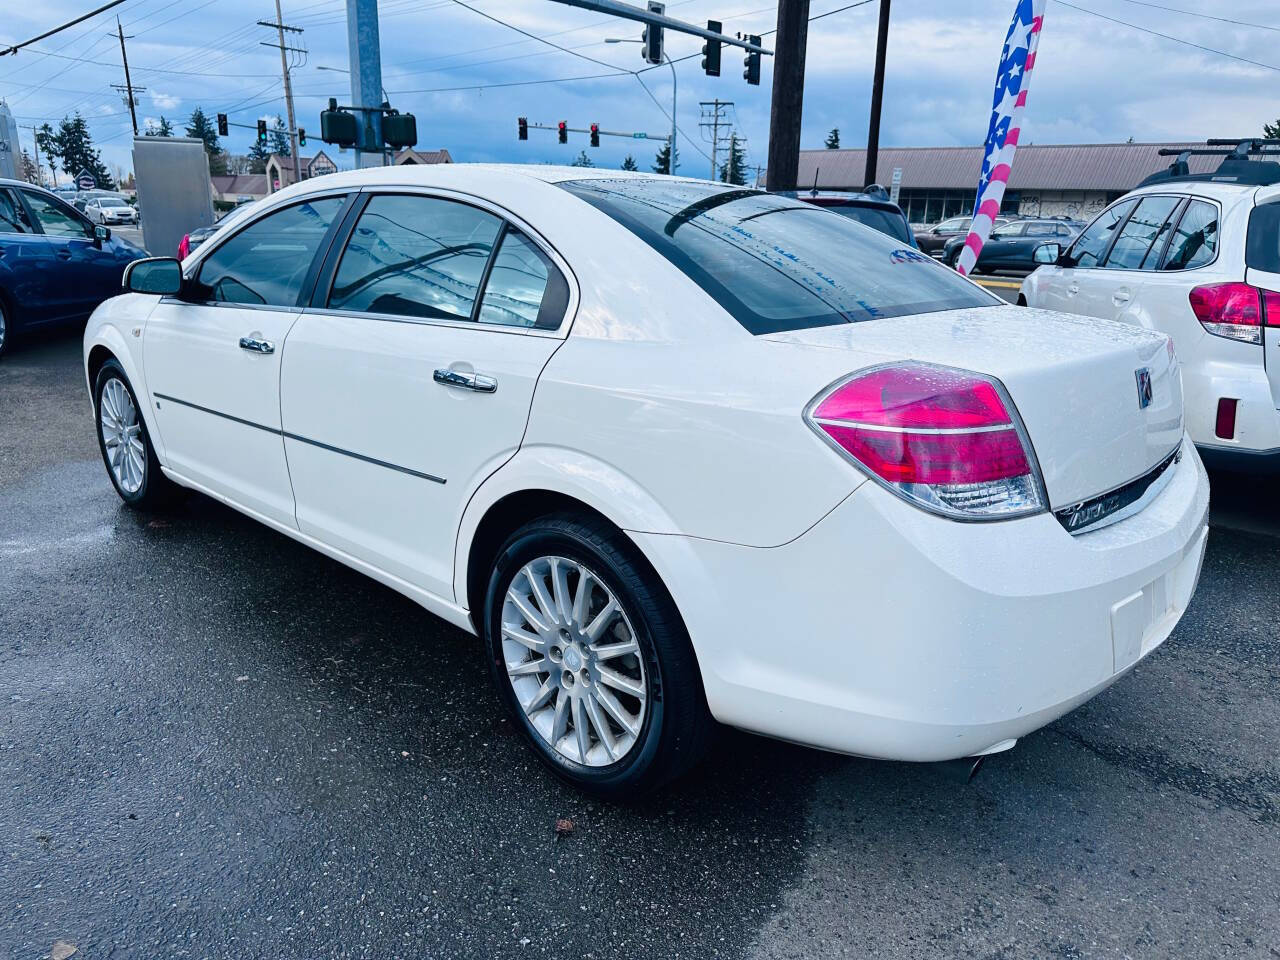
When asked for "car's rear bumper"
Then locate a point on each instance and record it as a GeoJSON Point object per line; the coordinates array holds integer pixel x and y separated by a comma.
{"type": "Point", "coordinates": [885, 631]}
{"type": "Point", "coordinates": [1255, 440]}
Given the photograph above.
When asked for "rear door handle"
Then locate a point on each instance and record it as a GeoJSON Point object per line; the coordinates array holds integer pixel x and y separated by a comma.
{"type": "Point", "coordinates": [1120, 297]}
{"type": "Point", "coordinates": [1073, 289]}
{"type": "Point", "coordinates": [467, 381]}
{"type": "Point", "coordinates": [256, 345]}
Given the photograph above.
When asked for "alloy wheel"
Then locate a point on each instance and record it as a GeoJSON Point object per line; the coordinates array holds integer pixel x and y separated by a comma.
{"type": "Point", "coordinates": [122, 436]}
{"type": "Point", "coordinates": [574, 661]}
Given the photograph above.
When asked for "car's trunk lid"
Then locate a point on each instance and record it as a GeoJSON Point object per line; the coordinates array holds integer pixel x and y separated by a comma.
{"type": "Point", "coordinates": [1079, 384]}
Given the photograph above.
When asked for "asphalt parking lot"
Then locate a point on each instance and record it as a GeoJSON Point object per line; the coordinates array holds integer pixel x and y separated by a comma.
{"type": "Point", "coordinates": [217, 743]}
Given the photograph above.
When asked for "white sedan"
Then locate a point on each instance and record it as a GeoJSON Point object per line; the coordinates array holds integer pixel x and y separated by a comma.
{"type": "Point", "coordinates": [677, 452]}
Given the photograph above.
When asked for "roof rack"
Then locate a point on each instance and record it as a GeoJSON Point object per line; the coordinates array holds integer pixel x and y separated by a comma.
{"type": "Point", "coordinates": [1242, 163]}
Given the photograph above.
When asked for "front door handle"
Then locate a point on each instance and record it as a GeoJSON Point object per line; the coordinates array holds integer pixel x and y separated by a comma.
{"type": "Point", "coordinates": [467, 381]}
{"type": "Point", "coordinates": [257, 345]}
{"type": "Point", "coordinates": [1120, 297]}
{"type": "Point", "coordinates": [1073, 289]}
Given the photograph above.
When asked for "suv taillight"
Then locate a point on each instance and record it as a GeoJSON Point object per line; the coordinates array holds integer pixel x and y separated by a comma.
{"type": "Point", "coordinates": [947, 440]}
{"type": "Point", "coordinates": [1236, 311]}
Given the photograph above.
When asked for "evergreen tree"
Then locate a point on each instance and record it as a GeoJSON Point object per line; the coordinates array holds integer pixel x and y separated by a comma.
{"type": "Point", "coordinates": [29, 172]}
{"type": "Point", "coordinates": [629, 163]}
{"type": "Point", "coordinates": [202, 128]}
{"type": "Point", "coordinates": [1271, 130]}
{"type": "Point", "coordinates": [662, 162]}
{"type": "Point", "coordinates": [280, 142]}
{"type": "Point", "coordinates": [259, 154]}
{"type": "Point", "coordinates": [582, 160]}
{"type": "Point", "coordinates": [71, 146]}
{"type": "Point", "coordinates": [163, 129]}
{"type": "Point", "coordinates": [734, 169]}
{"type": "Point", "coordinates": [833, 139]}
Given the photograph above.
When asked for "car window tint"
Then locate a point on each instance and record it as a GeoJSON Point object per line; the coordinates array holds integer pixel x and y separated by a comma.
{"type": "Point", "coordinates": [1088, 249]}
{"type": "Point", "coordinates": [415, 256]}
{"type": "Point", "coordinates": [1133, 248]}
{"type": "Point", "coordinates": [13, 216]}
{"type": "Point", "coordinates": [1008, 231]}
{"type": "Point", "coordinates": [267, 261]}
{"type": "Point", "coordinates": [954, 225]}
{"type": "Point", "coordinates": [1042, 230]}
{"type": "Point", "coordinates": [773, 263]}
{"type": "Point", "coordinates": [524, 289]}
{"type": "Point", "coordinates": [1063, 230]}
{"type": "Point", "coordinates": [1195, 241]}
{"type": "Point", "coordinates": [56, 219]}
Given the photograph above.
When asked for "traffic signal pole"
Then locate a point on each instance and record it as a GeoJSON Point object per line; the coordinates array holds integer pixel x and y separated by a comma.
{"type": "Point", "coordinates": [788, 94]}
{"type": "Point", "coordinates": [365, 53]}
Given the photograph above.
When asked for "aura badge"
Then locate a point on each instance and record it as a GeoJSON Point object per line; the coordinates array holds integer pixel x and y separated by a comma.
{"type": "Point", "coordinates": [1143, 376]}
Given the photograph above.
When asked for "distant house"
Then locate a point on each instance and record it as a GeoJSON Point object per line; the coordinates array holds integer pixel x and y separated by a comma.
{"type": "Point", "coordinates": [422, 156]}
{"type": "Point", "coordinates": [280, 169]}
{"type": "Point", "coordinates": [236, 188]}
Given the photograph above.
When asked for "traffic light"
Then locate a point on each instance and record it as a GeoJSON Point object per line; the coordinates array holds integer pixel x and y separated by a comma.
{"type": "Point", "coordinates": [262, 132]}
{"type": "Point", "coordinates": [595, 134]}
{"type": "Point", "coordinates": [399, 130]}
{"type": "Point", "coordinates": [563, 129]}
{"type": "Point", "coordinates": [752, 63]}
{"type": "Point", "coordinates": [711, 51]}
{"type": "Point", "coordinates": [336, 126]}
{"type": "Point", "coordinates": [652, 36]}
{"type": "Point", "coordinates": [302, 137]}
{"type": "Point", "coordinates": [524, 128]}
{"type": "Point", "coordinates": [222, 124]}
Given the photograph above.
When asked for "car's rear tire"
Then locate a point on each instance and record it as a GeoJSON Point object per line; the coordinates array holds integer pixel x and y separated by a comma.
{"type": "Point", "coordinates": [602, 681]}
{"type": "Point", "coordinates": [127, 451]}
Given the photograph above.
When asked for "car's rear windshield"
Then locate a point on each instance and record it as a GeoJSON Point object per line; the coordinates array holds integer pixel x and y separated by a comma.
{"type": "Point", "coordinates": [778, 264]}
{"type": "Point", "coordinates": [886, 221]}
{"type": "Point", "coordinates": [1262, 245]}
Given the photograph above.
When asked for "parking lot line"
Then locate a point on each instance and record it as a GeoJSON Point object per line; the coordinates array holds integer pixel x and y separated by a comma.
{"type": "Point", "coordinates": [1007, 284]}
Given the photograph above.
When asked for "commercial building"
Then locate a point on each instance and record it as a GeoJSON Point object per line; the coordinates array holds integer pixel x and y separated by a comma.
{"type": "Point", "coordinates": [280, 169]}
{"type": "Point", "coordinates": [1074, 180]}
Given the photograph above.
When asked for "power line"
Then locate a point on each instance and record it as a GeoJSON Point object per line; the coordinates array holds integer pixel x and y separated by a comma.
{"type": "Point", "coordinates": [1205, 16]}
{"type": "Point", "coordinates": [532, 36]}
{"type": "Point", "coordinates": [70, 23]}
{"type": "Point", "coordinates": [1157, 33]}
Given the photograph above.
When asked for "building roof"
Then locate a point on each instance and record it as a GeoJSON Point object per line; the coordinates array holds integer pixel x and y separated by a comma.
{"type": "Point", "coordinates": [1116, 167]}
{"type": "Point", "coordinates": [423, 156]}
{"type": "Point", "coordinates": [241, 184]}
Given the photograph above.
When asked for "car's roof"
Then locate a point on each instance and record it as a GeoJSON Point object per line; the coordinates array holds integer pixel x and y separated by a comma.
{"type": "Point", "coordinates": [1214, 189]}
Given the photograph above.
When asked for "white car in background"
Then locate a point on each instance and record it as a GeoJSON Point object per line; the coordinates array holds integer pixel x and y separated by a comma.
{"type": "Point", "coordinates": [676, 452]}
{"type": "Point", "coordinates": [1196, 257]}
{"type": "Point", "coordinates": [110, 211]}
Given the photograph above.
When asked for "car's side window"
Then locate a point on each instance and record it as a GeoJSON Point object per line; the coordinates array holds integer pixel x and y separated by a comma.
{"type": "Point", "coordinates": [524, 289]}
{"type": "Point", "coordinates": [1140, 241]}
{"type": "Point", "coordinates": [1041, 230]}
{"type": "Point", "coordinates": [1008, 231]}
{"type": "Point", "coordinates": [1195, 241]}
{"type": "Point", "coordinates": [1063, 230]}
{"type": "Point", "coordinates": [267, 262]}
{"type": "Point", "coordinates": [56, 219]}
{"type": "Point", "coordinates": [415, 256]}
{"type": "Point", "coordinates": [13, 215]}
{"type": "Point", "coordinates": [1092, 243]}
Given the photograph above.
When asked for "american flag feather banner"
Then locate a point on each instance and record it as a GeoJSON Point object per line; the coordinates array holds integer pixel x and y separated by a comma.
{"type": "Point", "coordinates": [1013, 78]}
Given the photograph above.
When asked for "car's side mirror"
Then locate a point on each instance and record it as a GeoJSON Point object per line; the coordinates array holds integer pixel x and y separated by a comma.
{"type": "Point", "coordinates": [154, 275]}
{"type": "Point", "coordinates": [1047, 253]}
{"type": "Point", "coordinates": [101, 234]}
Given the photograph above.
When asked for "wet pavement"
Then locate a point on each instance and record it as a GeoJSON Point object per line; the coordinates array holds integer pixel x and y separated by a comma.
{"type": "Point", "coordinates": [215, 742]}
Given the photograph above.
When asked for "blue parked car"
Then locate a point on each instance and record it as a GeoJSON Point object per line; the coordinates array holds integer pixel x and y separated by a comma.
{"type": "Point", "coordinates": [55, 266]}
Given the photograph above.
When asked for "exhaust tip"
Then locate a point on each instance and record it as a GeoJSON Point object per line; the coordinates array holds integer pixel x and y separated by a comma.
{"type": "Point", "coordinates": [961, 770]}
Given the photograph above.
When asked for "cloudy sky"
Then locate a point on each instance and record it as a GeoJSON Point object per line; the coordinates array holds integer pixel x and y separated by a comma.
{"type": "Point", "coordinates": [467, 78]}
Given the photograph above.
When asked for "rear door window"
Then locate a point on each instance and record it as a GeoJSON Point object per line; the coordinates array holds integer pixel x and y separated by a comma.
{"type": "Point", "coordinates": [1042, 230]}
{"type": "Point", "coordinates": [524, 289]}
{"type": "Point", "coordinates": [1142, 238]}
{"type": "Point", "coordinates": [267, 261]}
{"type": "Point", "coordinates": [415, 256]}
{"type": "Point", "coordinates": [776, 263]}
{"type": "Point", "coordinates": [1195, 241]}
{"type": "Point", "coordinates": [1087, 251]}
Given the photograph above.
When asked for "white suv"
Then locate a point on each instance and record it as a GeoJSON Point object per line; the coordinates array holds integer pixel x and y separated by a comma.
{"type": "Point", "coordinates": [1196, 257]}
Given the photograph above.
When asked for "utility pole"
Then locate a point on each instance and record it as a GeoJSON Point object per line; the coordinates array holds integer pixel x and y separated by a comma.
{"type": "Point", "coordinates": [713, 117]}
{"type": "Point", "coordinates": [788, 94]}
{"type": "Point", "coordinates": [35, 137]}
{"type": "Point", "coordinates": [365, 53]}
{"type": "Point", "coordinates": [128, 84]}
{"type": "Point", "coordinates": [288, 86]}
{"type": "Point", "coordinates": [877, 96]}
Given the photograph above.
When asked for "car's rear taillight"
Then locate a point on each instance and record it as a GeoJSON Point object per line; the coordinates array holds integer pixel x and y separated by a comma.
{"type": "Point", "coordinates": [1237, 311]}
{"type": "Point", "coordinates": [947, 440]}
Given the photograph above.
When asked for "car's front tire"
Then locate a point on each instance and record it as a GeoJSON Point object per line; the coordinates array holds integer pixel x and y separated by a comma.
{"type": "Point", "coordinates": [592, 659]}
{"type": "Point", "coordinates": [126, 447]}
